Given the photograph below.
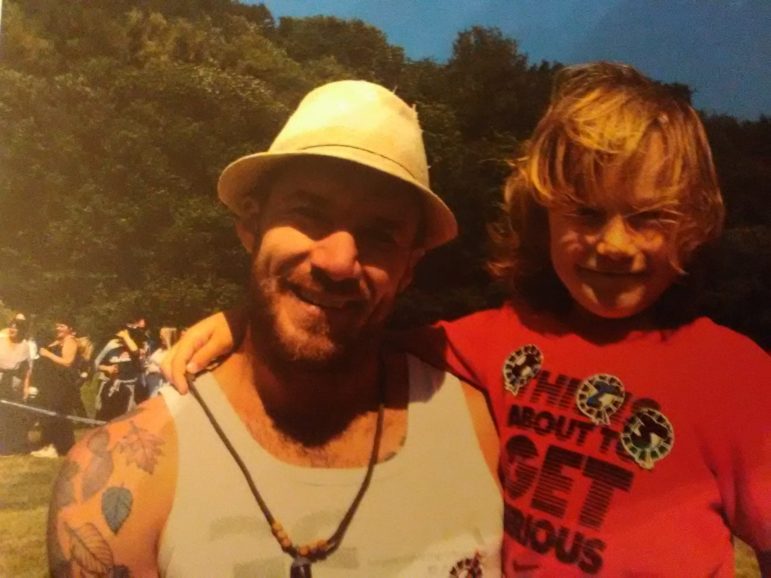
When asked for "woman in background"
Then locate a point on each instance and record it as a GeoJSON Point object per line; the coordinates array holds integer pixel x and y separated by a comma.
{"type": "Point", "coordinates": [15, 366]}
{"type": "Point", "coordinates": [56, 377]}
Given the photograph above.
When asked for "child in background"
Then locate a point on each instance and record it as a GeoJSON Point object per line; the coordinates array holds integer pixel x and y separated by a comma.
{"type": "Point", "coordinates": [635, 437]}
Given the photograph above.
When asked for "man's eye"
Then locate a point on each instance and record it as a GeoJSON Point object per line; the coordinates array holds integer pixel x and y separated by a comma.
{"type": "Point", "coordinates": [309, 219]}
{"type": "Point", "coordinates": [306, 215]}
{"type": "Point", "coordinates": [379, 236]}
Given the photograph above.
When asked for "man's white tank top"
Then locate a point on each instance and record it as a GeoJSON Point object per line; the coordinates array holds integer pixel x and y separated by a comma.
{"type": "Point", "coordinates": [433, 510]}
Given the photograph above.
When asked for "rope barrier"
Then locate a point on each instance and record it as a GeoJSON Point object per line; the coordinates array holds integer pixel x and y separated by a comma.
{"type": "Point", "coordinates": [51, 413]}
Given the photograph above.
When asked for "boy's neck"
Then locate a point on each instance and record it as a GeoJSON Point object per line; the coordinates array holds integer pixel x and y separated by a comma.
{"type": "Point", "coordinates": [607, 330]}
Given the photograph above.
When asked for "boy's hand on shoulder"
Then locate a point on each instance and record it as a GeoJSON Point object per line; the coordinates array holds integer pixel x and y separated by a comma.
{"type": "Point", "coordinates": [204, 342]}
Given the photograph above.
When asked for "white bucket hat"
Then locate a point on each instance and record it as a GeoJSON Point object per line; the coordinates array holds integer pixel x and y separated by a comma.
{"type": "Point", "coordinates": [356, 121]}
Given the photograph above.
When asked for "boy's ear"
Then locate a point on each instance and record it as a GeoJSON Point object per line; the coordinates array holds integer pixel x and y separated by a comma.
{"type": "Point", "coordinates": [409, 273]}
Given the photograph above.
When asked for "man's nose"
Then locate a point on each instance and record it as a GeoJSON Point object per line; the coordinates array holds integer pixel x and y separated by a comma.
{"type": "Point", "coordinates": [615, 240]}
{"type": "Point", "coordinates": [337, 255]}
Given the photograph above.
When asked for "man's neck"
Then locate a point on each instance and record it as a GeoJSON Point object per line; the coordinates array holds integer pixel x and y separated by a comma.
{"type": "Point", "coordinates": [322, 417]}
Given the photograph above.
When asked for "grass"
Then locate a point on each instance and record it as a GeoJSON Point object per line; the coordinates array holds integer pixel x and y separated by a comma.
{"type": "Point", "coordinates": [25, 486]}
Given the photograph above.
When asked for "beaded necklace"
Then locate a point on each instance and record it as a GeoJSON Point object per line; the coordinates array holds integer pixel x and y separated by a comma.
{"type": "Point", "coordinates": [303, 556]}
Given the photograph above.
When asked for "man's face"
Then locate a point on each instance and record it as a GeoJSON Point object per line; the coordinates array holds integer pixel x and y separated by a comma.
{"type": "Point", "coordinates": [613, 253]}
{"type": "Point", "coordinates": [332, 246]}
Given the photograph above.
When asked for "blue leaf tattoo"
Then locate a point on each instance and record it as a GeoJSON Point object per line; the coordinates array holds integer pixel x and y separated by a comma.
{"type": "Point", "coordinates": [116, 506]}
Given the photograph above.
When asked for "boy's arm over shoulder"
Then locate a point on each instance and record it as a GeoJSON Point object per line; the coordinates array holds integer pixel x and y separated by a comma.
{"type": "Point", "coordinates": [112, 497]}
{"type": "Point", "coordinates": [462, 346]}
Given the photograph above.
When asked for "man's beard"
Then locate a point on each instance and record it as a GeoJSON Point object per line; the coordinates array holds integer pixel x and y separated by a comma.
{"type": "Point", "coordinates": [305, 344]}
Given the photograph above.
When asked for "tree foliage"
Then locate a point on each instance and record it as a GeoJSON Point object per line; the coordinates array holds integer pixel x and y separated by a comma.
{"type": "Point", "coordinates": [118, 117]}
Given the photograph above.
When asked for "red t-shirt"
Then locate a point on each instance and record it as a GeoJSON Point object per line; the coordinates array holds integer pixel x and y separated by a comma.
{"type": "Point", "coordinates": [695, 412]}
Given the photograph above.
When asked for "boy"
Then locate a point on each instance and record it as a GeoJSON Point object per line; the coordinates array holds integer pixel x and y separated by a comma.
{"type": "Point", "coordinates": [634, 436]}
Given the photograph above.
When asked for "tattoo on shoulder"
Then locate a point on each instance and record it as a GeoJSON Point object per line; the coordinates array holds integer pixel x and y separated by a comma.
{"type": "Point", "coordinates": [128, 415]}
{"type": "Point", "coordinates": [101, 466]}
{"type": "Point", "coordinates": [91, 554]}
{"type": "Point", "coordinates": [84, 550]}
{"type": "Point", "coordinates": [64, 489]}
{"type": "Point", "coordinates": [116, 506]}
{"type": "Point", "coordinates": [64, 495]}
{"type": "Point", "coordinates": [141, 447]}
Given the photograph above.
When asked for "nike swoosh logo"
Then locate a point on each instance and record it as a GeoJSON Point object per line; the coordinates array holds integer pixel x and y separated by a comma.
{"type": "Point", "coordinates": [522, 567]}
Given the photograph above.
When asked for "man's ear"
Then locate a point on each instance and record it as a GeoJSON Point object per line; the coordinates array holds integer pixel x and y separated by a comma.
{"type": "Point", "coordinates": [415, 256]}
{"type": "Point", "coordinates": [246, 229]}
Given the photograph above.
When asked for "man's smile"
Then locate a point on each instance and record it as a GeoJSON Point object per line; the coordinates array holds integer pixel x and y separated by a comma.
{"type": "Point", "coordinates": [324, 299]}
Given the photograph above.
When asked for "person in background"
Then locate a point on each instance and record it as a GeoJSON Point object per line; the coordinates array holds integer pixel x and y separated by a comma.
{"type": "Point", "coordinates": [634, 435]}
{"type": "Point", "coordinates": [15, 371]}
{"type": "Point", "coordinates": [121, 367]}
{"type": "Point", "coordinates": [167, 337]}
{"type": "Point", "coordinates": [55, 377]}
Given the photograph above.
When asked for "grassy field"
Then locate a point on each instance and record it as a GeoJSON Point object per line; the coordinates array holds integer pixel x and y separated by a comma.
{"type": "Point", "coordinates": [25, 485]}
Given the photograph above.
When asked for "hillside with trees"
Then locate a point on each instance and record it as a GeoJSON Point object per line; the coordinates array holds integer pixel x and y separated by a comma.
{"type": "Point", "coordinates": [118, 117]}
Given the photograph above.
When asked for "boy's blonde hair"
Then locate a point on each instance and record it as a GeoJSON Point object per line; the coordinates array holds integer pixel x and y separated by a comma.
{"type": "Point", "coordinates": [603, 113]}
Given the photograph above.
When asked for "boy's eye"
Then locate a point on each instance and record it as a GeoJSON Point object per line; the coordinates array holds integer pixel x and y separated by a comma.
{"type": "Point", "coordinates": [652, 218]}
{"type": "Point", "coordinates": [303, 211]}
{"type": "Point", "coordinates": [587, 214]}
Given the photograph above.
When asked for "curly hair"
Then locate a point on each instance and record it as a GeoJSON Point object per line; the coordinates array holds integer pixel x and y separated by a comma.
{"type": "Point", "coordinates": [600, 114]}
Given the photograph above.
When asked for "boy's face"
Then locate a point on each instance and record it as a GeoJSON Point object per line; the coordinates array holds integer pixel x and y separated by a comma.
{"type": "Point", "coordinates": [613, 252]}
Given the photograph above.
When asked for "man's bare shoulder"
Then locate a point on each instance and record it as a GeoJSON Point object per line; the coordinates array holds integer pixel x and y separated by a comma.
{"type": "Point", "coordinates": [113, 495]}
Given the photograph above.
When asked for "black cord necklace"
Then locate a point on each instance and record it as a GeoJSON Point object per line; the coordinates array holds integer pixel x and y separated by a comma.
{"type": "Point", "coordinates": [303, 555]}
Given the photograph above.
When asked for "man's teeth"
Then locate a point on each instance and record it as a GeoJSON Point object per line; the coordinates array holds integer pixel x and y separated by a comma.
{"type": "Point", "coordinates": [326, 301]}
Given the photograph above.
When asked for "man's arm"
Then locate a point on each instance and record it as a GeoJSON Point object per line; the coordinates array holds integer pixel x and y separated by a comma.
{"type": "Point", "coordinates": [112, 497]}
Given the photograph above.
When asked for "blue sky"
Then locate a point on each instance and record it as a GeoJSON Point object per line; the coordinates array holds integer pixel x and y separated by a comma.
{"type": "Point", "coordinates": [721, 48]}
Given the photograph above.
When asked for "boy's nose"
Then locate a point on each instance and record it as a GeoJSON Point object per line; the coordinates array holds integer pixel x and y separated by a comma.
{"type": "Point", "coordinates": [337, 255]}
{"type": "Point", "coordinates": [615, 240]}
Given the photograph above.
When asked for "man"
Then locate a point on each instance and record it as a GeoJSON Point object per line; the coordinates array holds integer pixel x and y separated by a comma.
{"type": "Point", "coordinates": [312, 448]}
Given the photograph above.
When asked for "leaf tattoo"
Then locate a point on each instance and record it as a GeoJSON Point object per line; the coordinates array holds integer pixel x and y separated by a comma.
{"type": "Point", "coordinates": [90, 550]}
{"type": "Point", "coordinates": [98, 442]}
{"type": "Point", "coordinates": [58, 564]}
{"type": "Point", "coordinates": [97, 473]}
{"type": "Point", "coordinates": [128, 415]}
{"type": "Point", "coordinates": [142, 448]}
{"type": "Point", "coordinates": [120, 572]}
{"type": "Point", "coordinates": [64, 491]}
{"type": "Point", "coordinates": [116, 507]}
